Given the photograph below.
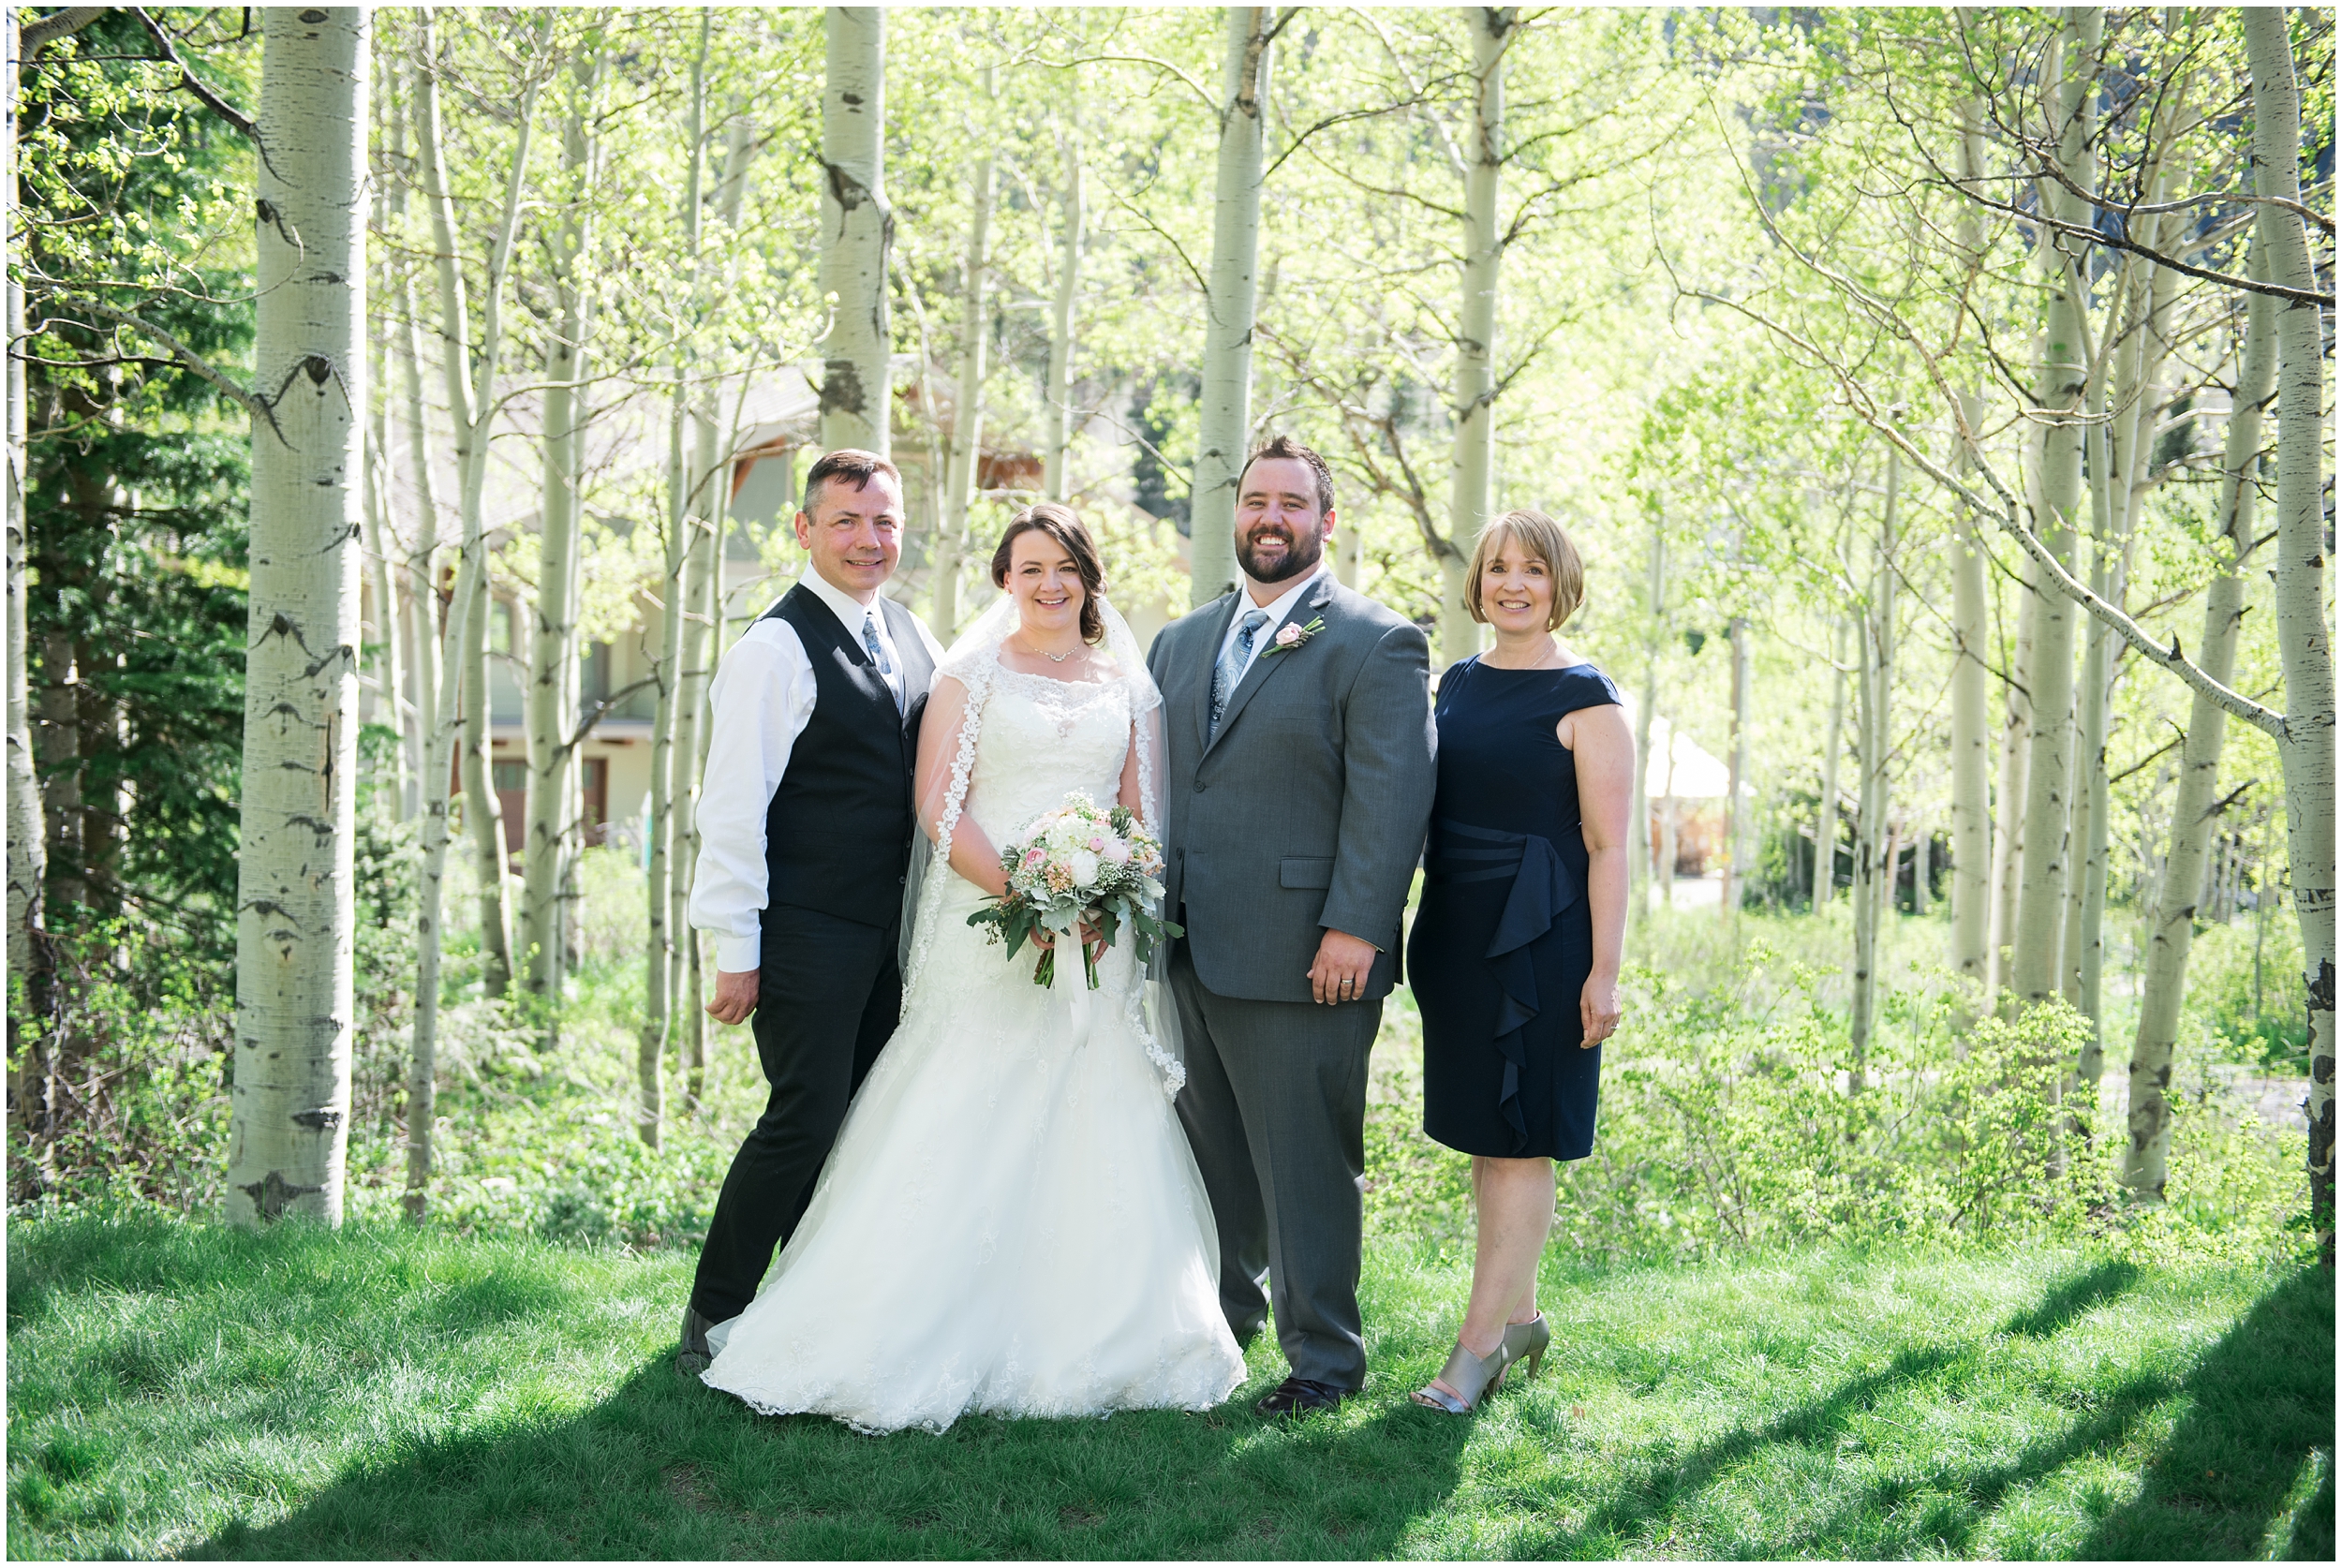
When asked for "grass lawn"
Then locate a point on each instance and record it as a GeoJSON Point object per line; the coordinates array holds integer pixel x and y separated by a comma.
{"type": "Point", "coordinates": [185, 1390]}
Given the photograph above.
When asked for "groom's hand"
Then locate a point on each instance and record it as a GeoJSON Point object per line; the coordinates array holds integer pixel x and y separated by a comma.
{"type": "Point", "coordinates": [1343, 961]}
{"type": "Point", "coordinates": [736, 995]}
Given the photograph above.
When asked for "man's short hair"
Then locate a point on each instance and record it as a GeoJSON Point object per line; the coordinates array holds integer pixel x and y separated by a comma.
{"type": "Point", "coordinates": [1285, 446]}
{"type": "Point", "coordinates": [846, 462]}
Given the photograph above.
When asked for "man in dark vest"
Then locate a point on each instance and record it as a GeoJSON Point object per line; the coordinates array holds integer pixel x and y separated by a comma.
{"type": "Point", "coordinates": [805, 823]}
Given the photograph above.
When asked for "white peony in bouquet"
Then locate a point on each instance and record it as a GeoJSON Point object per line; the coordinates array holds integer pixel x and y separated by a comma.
{"type": "Point", "coordinates": [1075, 864]}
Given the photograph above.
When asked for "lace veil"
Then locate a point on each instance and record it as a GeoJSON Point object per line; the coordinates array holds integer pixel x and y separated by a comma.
{"type": "Point", "coordinates": [947, 753]}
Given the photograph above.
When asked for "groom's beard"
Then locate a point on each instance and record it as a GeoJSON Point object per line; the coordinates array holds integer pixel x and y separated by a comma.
{"type": "Point", "coordinates": [1300, 555]}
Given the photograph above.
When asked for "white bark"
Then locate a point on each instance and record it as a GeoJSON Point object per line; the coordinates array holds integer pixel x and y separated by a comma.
{"type": "Point", "coordinates": [483, 812]}
{"type": "Point", "coordinates": [1472, 463]}
{"type": "Point", "coordinates": [670, 768]}
{"type": "Point", "coordinates": [1971, 742]}
{"type": "Point", "coordinates": [1224, 409]}
{"type": "Point", "coordinates": [296, 912]}
{"type": "Point", "coordinates": [963, 448]}
{"type": "Point", "coordinates": [1666, 824]}
{"type": "Point", "coordinates": [700, 592]}
{"type": "Point", "coordinates": [1638, 853]}
{"type": "Point", "coordinates": [390, 618]}
{"type": "Point", "coordinates": [468, 405]}
{"type": "Point", "coordinates": [2303, 634]}
{"type": "Point", "coordinates": [1833, 748]}
{"type": "Point", "coordinates": [2035, 965]}
{"type": "Point", "coordinates": [553, 827]}
{"type": "Point", "coordinates": [1056, 418]}
{"type": "Point", "coordinates": [1873, 847]}
{"type": "Point", "coordinates": [858, 231]}
{"type": "Point", "coordinates": [26, 831]}
{"type": "Point", "coordinates": [2016, 723]}
{"type": "Point", "coordinates": [2146, 1154]}
{"type": "Point", "coordinates": [1736, 811]}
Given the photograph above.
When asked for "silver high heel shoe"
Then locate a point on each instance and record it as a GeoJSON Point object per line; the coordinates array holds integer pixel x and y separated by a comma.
{"type": "Point", "coordinates": [1474, 1377]}
{"type": "Point", "coordinates": [1527, 1342]}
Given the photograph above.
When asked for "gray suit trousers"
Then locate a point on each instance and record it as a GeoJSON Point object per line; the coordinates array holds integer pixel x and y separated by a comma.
{"type": "Point", "coordinates": [1275, 1110]}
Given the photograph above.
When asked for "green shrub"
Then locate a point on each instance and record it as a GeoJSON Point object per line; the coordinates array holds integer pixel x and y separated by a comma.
{"type": "Point", "coordinates": [1730, 1119]}
{"type": "Point", "coordinates": [2244, 998]}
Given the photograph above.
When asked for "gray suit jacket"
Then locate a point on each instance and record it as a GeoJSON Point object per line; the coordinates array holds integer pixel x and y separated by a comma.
{"type": "Point", "coordinates": [1309, 808]}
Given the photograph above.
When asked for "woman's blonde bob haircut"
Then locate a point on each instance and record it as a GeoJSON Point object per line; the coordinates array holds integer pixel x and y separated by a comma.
{"type": "Point", "coordinates": [1541, 537]}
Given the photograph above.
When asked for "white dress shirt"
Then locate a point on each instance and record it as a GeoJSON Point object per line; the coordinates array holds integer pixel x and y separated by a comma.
{"type": "Point", "coordinates": [759, 703]}
{"type": "Point", "coordinates": [1278, 608]}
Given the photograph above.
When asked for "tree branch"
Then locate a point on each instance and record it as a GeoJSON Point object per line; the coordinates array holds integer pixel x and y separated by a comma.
{"type": "Point", "coordinates": [34, 36]}
{"type": "Point", "coordinates": [197, 86]}
{"type": "Point", "coordinates": [2007, 514]}
{"type": "Point", "coordinates": [252, 402]}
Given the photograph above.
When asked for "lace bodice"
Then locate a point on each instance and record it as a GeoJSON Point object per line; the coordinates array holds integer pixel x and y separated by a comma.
{"type": "Point", "coordinates": [1042, 738]}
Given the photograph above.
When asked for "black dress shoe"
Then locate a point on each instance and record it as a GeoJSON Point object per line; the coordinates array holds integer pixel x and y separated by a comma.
{"type": "Point", "coordinates": [692, 1356]}
{"type": "Point", "coordinates": [1298, 1396]}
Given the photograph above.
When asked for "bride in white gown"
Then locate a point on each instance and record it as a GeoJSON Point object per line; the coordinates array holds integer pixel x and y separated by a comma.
{"type": "Point", "coordinates": [1011, 1222]}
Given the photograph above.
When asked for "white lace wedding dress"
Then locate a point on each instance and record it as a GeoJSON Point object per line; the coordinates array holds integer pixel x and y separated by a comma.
{"type": "Point", "coordinates": [1011, 1222]}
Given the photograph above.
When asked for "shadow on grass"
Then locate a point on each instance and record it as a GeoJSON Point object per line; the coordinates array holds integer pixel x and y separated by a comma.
{"type": "Point", "coordinates": [667, 1467]}
{"type": "Point", "coordinates": [1649, 1499]}
{"type": "Point", "coordinates": [2260, 1405]}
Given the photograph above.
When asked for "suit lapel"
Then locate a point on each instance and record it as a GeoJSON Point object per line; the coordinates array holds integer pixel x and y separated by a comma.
{"type": "Point", "coordinates": [1264, 664]}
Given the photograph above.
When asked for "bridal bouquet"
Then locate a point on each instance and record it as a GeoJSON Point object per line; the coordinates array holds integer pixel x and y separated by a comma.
{"type": "Point", "coordinates": [1075, 864]}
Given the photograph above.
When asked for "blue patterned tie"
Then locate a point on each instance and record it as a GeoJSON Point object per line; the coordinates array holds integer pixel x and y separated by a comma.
{"type": "Point", "coordinates": [1230, 669]}
{"type": "Point", "coordinates": [877, 656]}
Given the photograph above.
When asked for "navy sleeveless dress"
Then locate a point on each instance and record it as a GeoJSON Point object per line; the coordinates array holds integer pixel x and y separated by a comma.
{"type": "Point", "coordinates": [1504, 938]}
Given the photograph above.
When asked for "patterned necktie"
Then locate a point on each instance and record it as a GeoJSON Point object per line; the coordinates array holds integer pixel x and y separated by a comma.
{"type": "Point", "coordinates": [1231, 666]}
{"type": "Point", "coordinates": [877, 656]}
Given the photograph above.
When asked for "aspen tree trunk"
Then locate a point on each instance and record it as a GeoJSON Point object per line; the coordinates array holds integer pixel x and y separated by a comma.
{"type": "Point", "coordinates": [2009, 793]}
{"type": "Point", "coordinates": [1472, 463]}
{"type": "Point", "coordinates": [1666, 824]}
{"type": "Point", "coordinates": [296, 915]}
{"type": "Point", "coordinates": [484, 813]}
{"type": "Point", "coordinates": [714, 490]}
{"type": "Point", "coordinates": [965, 445]}
{"type": "Point", "coordinates": [1832, 746]}
{"type": "Point", "coordinates": [2034, 965]}
{"type": "Point", "coordinates": [858, 231]}
{"type": "Point", "coordinates": [1971, 750]}
{"type": "Point", "coordinates": [1736, 811]}
{"type": "Point", "coordinates": [469, 407]}
{"type": "Point", "coordinates": [1874, 864]}
{"type": "Point", "coordinates": [399, 708]}
{"type": "Point", "coordinates": [552, 679]}
{"type": "Point", "coordinates": [699, 593]}
{"type": "Point", "coordinates": [1922, 847]}
{"type": "Point", "coordinates": [1638, 853]}
{"type": "Point", "coordinates": [27, 833]}
{"type": "Point", "coordinates": [2304, 637]}
{"type": "Point", "coordinates": [57, 750]}
{"type": "Point", "coordinates": [423, 581]}
{"type": "Point", "coordinates": [694, 1014]}
{"type": "Point", "coordinates": [663, 958]}
{"type": "Point", "coordinates": [2146, 1154]}
{"type": "Point", "coordinates": [1971, 762]}
{"type": "Point", "coordinates": [1056, 420]}
{"type": "Point", "coordinates": [382, 572]}
{"type": "Point", "coordinates": [1225, 408]}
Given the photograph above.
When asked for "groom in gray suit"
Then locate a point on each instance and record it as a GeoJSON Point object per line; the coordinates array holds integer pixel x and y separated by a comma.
{"type": "Point", "coordinates": [1296, 715]}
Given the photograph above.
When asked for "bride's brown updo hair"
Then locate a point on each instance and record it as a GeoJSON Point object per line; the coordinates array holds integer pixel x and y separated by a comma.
{"type": "Point", "coordinates": [1060, 523]}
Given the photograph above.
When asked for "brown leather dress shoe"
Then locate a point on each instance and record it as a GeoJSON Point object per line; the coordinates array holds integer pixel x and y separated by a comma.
{"type": "Point", "coordinates": [1298, 1396]}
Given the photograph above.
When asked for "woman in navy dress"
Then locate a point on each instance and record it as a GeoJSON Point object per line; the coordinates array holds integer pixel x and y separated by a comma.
{"type": "Point", "coordinates": [1515, 954]}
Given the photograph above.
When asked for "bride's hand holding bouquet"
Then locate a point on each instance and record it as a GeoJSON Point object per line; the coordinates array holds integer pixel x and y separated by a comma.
{"type": "Point", "coordinates": [1079, 870]}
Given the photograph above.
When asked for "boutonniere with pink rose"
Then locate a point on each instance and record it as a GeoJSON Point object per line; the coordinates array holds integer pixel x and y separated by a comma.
{"type": "Point", "coordinates": [1290, 637]}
